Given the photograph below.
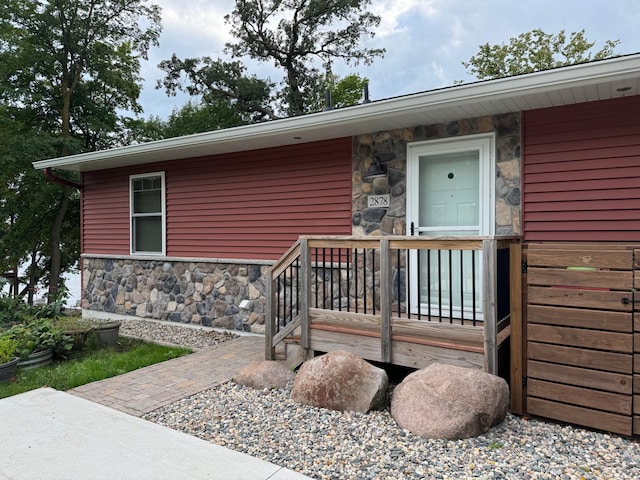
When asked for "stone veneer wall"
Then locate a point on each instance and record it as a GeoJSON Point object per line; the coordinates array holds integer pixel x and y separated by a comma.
{"type": "Point", "coordinates": [204, 293]}
{"type": "Point", "coordinates": [391, 146]}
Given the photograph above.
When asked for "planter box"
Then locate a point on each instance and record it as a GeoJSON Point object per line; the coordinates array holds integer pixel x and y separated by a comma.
{"type": "Point", "coordinates": [106, 333]}
{"type": "Point", "coordinates": [37, 359]}
{"type": "Point", "coordinates": [8, 370]}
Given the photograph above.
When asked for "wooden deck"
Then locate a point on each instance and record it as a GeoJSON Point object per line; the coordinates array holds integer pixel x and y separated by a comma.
{"type": "Point", "coordinates": [383, 329]}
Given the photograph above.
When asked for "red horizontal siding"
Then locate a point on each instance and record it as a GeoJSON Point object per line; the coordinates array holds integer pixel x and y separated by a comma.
{"type": "Point", "coordinates": [256, 204]}
{"type": "Point", "coordinates": [105, 212]}
{"type": "Point", "coordinates": [581, 172]}
{"type": "Point", "coordinates": [250, 205]}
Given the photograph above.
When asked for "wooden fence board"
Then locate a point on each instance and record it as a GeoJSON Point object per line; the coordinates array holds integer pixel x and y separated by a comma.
{"type": "Point", "coordinates": [581, 337]}
{"type": "Point", "coordinates": [572, 317]}
{"type": "Point", "coordinates": [609, 402]}
{"type": "Point", "coordinates": [612, 259]}
{"type": "Point", "coordinates": [567, 297]}
{"type": "Point", "coordinates": [636, 425]}
{"type": "Point", "coordinates": [564, 246]}
{"type": "Point", "coordinates": [610, 280]}
{"type": "Point", "coordinates": [581, 416]}
{"type": "Point", "coordinates": [581, 377]}
{"type": "Point", "coordinates": [636, 263]}
{"type": "Point", "coordinates": [580, 357]}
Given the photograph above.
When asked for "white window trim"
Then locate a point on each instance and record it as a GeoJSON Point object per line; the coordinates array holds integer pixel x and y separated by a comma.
{"type": "Point", "coordinates": [163, 212]}
{"type": "Point", "coordinates": [485, 144]}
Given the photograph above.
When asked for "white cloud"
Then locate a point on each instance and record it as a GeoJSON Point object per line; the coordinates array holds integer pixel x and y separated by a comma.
{"type": "Point", "coordinates": [390, 12]}
{"type": "Point", "coordinates": [197, 25]}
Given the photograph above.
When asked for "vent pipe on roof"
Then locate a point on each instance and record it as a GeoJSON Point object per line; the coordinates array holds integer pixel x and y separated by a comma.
{"type": "Point", "coordinates": [366, 93]}
{"type": "Point", "coordinates": [327, 100]}
{"type": "Point", "coordinates": [63, 181]}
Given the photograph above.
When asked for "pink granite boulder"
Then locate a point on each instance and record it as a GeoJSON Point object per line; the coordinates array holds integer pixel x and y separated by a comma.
{"type": "Point", "coordinates": [449, 402]}
{"type": "Point", "coordinates": [341, 381]}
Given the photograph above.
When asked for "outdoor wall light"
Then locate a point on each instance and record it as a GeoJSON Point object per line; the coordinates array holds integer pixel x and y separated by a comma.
{"type": "Point", "coordinates": [376, 169]}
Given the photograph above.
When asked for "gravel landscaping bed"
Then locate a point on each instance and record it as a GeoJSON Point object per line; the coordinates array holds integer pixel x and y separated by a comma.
{"type": "Point", "coordinates": [175, 334]}
{"type": "Point", "coordinates": [326, 444]}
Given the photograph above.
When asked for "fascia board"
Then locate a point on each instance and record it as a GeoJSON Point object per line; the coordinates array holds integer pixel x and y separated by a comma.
{"type": "Point", "coordinates": [353, 120]}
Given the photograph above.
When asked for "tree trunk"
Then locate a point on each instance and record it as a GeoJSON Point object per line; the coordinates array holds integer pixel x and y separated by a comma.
{"type": "Point", "coordinates": [31, 287]}
{"type": "Point", "coordinates": [54, 276]}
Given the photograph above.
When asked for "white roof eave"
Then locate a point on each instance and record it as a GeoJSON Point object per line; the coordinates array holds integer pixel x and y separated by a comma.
{"type": "Point", "coordinates": [488, 96]}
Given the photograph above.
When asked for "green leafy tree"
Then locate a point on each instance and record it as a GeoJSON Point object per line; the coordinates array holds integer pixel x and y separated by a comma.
{"type": "Point", "coordinates": [346, 91]}
{"type": "Point", "coordinates": [67, 70]}
{"type": "Point", "coordinates": [297, 34]}
{"type": "Point", "coordinates": [190, 118]}
{"type": "Point", "coordinates": [534, 51]}
{"type": "Point", "coordinates": [204, 117]}
{"type": "Point", "coordinates": [222, 84]}
{"type": "Point", "coordinates": [28, 206]}
{"type": "Point", "coordinates": [300, 37]}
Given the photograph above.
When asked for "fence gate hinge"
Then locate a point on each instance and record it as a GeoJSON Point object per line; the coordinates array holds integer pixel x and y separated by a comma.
{"type": "Point", "coordinates": [525, 266]}
{"type": "Point", "coordinates": [524, 381]}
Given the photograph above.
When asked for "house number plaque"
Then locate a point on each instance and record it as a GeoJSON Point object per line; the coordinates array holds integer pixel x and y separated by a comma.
{"type": "Point", "coordinates": [380, 201]}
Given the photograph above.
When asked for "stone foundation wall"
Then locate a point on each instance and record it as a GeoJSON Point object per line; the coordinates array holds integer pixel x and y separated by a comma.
{"type": "Point", "coordinates": [204, 293]}
{"type": "Point", "coordinates": [391, 147]}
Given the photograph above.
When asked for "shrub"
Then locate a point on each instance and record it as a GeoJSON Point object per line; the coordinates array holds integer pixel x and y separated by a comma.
{"type": "Point", "coordinates": [8, 348]}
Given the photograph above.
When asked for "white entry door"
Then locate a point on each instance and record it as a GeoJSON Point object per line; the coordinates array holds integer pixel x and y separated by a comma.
{"type": "Point", "coordinates": [449, 194]}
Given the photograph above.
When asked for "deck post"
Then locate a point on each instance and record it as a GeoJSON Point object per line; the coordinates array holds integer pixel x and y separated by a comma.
{"type": "Point", "coordinates": [386, 295]}
{"type": "Point", "coordinates": [270, 318]}
{"type": "Point", "coordinates": [304, 293]}
{"type": "Point", "coordinates": [489, 264]}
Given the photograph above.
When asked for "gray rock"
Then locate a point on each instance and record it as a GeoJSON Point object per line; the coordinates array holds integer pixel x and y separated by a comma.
{"type": "Point", "coordinates": [254, 272]}
{"type": "Point", "coordinates": [513, 198]}
{"type": "Point", "coordinates": [265, 374]}
{"type": "Point", "coordinates": [340, 381]}
{"type": "Point", "coordinates": [373, 214]}
{"type": "Point", "coordinates": [449, 402]}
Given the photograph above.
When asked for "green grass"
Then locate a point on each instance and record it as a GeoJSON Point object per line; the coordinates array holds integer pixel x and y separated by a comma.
{"type": "Point", "coordinates": [92, 365]}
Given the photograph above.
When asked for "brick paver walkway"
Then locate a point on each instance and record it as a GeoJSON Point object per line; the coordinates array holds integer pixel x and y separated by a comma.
{"type": "Point", "coordinates": [152, 387]}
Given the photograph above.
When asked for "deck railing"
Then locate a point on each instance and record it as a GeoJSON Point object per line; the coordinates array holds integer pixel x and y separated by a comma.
{"type": "Point", "coordinates": [392, 283]}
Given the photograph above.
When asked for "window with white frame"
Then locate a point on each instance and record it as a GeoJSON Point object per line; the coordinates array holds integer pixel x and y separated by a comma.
{"type": "Point", "coordinates": [147, 207]}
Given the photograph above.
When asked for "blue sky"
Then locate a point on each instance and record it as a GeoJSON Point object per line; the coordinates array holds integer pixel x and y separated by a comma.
{"type": "Point", "coordinates": [426, 40]}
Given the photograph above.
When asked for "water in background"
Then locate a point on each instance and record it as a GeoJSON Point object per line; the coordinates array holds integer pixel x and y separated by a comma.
{"type": "Point", "coordinates": [72, 281]}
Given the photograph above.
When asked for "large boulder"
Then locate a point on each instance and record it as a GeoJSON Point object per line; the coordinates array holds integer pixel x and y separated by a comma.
{"type": "Point", "coordinates": [341, 381]}
{"type": "Point", "coordinates": [449, 402]}
{"type": "Point", "coordinates": [265, 374]}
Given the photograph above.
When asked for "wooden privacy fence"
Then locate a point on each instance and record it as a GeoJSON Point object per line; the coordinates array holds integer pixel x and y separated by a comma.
{"type": "Point", "coordinates": [583, 342]}
{"type": "Point", "coordinates": [408, 301]}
